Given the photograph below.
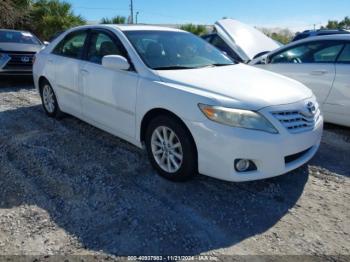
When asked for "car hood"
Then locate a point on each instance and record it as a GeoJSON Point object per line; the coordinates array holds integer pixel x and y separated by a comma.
{"type": "Point", "coordinates": [244, 39]}
{"type": "Point", "coordinates": [239, 86]}
{"type": "Point", "coordinates": [13, 47]}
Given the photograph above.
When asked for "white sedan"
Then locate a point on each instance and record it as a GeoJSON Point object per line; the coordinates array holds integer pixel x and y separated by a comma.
{"type": "Point", "coordinates": [190, 106]}
{"type": "Point", "coordinates": [321, 63]}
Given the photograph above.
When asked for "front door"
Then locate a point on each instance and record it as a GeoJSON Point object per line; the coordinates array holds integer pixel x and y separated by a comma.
{"type": "Point", "coordinates": [312, 64]}
{"type": "Point", "coordinates": [109, 96]}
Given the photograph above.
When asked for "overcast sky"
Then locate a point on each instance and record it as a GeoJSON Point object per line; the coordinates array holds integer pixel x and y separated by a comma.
{"type": "Point", "coordinates": [294, 14]}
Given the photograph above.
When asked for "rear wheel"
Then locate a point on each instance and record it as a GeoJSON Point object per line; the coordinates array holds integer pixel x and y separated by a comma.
{"type": "Point", "coordinates": [49, 100]}
{"type": "Point", "coordinates": [170, 149]}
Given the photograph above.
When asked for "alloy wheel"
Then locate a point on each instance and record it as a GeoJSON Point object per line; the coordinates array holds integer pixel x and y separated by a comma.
{"type": "Point", "coordinates": [167, 149]}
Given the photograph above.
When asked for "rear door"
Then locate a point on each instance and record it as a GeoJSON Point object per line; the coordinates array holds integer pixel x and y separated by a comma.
{"type": "Point", "coordinates": [311, 63]}
{"type": "Point", "coordinates": [67, 63]}
{"type": "Point", "coordinates": [337, 105]}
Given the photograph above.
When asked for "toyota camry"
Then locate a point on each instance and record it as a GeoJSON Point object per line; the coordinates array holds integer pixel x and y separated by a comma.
{"type": "Point", "coordinates": [192, 108]}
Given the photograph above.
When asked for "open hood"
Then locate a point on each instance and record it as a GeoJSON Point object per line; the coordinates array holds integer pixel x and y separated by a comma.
{"type": "Point", "coordinates": [245, 40]}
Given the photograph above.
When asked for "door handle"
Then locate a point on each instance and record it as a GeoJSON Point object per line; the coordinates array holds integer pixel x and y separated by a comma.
{"type": "Point", "coordinates": [84, 71]}
{"type": "Point", "coordinates": [319, 72]}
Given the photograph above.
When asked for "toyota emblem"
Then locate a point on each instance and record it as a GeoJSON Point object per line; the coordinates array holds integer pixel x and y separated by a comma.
{"type": "Point", "coordinates": [311, 108]}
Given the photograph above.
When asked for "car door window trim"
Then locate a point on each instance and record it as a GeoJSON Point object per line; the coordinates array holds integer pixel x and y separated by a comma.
{"type": "Point", "coordinates": [270, 57]}
{"type": "Point", "coordinates": [80, 57]}
{"type": "Point", "coordinates": [341, 52]}
{"type": "Point", "coordinates": [115, 40]}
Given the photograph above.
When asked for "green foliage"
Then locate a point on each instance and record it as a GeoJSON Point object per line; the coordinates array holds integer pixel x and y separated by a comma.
{"type": "Point", "coordinates": [195, 29]}
{"type": "Point", "coordinates": [14, 13]}
{"type": "Point", "coordinates": [44, 17]}
{"type": "Point", "coordinates": [114, 20]}
{"type": "Point", "coordinates": [334, 24]}
{"type": "Point", "coordinates": [52, 16]}
{"type": "Point", "coordinates": [283, 36]}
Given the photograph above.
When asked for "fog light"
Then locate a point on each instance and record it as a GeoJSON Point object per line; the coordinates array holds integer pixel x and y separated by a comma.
{"type": "Point", "coordinates": [242, 165]}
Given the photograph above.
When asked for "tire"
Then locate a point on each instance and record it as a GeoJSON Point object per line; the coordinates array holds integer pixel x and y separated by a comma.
{"type": "Point", "coordinates": [180, 150]}
{"type": "Point", "coordinates": [49, 100]}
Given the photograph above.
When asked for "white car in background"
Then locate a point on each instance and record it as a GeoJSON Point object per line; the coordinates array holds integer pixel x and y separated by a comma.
{"type": "Point", "coordinates": [321, 63]}
{"type": "Point", "coordinates": [190, 106]}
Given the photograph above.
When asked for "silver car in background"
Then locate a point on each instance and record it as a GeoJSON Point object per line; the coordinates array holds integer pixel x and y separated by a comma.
{"type": "Point", "coordinates": [17, 50]}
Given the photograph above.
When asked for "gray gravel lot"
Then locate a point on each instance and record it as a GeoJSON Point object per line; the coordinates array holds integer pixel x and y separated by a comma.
{"type": "Point", "coordinates": [69, 188]}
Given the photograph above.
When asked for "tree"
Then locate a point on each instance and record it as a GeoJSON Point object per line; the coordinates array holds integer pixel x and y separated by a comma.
{"type": "Point", "coordinates": [195, 29]}
{"type": "Point", "coordinates": [114, 20]}
{"type": "Point", "coordinates": [334, 24]}
{"type": "Point", "coordinates": [16, 13]}
{"type": "Point", "coordinates": [283, 36]}
{"type": "Point", "coordinates": [52, 16]}
{"type": "Point", "coordinates": [345, 23]}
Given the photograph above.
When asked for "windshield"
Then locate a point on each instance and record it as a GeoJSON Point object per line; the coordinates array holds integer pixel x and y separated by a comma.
{"type": "Point", "coordinates": [162, 50]}
{"type": "Point", "coordinates": [18, 37]}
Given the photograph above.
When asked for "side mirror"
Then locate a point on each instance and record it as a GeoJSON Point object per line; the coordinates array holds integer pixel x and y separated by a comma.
{"type": "Point", "coordinates": [264, 59]}
{"type": "Point", "coordinates": [115, 62]}
{"type": "Point", "coordinates": [46, 43]}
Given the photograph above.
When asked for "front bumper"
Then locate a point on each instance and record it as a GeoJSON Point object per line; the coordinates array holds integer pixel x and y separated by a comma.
{"type": "Point", "coordinates": [219, 146]}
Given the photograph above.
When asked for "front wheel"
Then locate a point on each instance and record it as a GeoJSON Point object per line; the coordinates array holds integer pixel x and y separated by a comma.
{"type": "Point", "coordinates": [171, 149]}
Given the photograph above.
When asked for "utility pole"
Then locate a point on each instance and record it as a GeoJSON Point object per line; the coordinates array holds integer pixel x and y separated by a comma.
{"type": "Point", "coordinates": [131, 12]}
{"type": "Point", "coordinates": [137, 14]}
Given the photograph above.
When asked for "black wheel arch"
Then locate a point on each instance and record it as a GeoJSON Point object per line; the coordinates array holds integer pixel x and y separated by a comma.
{"type": "Point", "coordinates": [163, 112]}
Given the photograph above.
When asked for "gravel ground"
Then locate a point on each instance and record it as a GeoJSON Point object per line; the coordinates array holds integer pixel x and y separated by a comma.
{"type": "Point", "coordinates": [69, 188]}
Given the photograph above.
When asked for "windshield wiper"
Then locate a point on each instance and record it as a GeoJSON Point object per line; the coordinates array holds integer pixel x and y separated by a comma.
{"type": "Point", "coordinates": [222, 64]}
{"type": "Point", "coordinates": [172, 67]}
{"type": "Point", "coordinates": [214, 65]}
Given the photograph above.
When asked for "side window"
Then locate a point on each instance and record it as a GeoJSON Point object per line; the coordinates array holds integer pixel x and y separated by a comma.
{"type": "Point", "coordinates": [345, 55]}
{"type": "Point", "coordinates": [72, 45]}
{"type": "Point", "coordinates": [101, 45]}
{"type": "Point", "coordinates": [220, 44]}
{"type": "Point", "coordinates": [328, 54]}
{"type": "Point", "coordinates": [295, 55]}
{"type": "Point", "coordinates": [314, 52]}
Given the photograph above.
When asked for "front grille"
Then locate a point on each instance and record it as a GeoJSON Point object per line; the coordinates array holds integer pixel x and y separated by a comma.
{"type": "Point", "coordinates": [298, 121]}
{"type": "Point", "coordinates": [292, 158]}
{"type": "Point", "coordinates": [19, 60]}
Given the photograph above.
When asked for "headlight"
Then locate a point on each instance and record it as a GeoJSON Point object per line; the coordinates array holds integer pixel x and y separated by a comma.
{"type": "Point", "coordinates": [237, 118]}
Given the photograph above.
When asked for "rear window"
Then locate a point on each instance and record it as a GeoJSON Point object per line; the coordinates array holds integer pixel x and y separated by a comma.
{"type": "Point", "coordinates": [18, 37]}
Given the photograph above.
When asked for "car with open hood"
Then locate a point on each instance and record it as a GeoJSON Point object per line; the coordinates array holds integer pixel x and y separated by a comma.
{"type": "Point", "coordinates": [321, 63]}
{"type": "Point", "coordinates": [190, 106]}
{"type": "Point", "coordinates": [17, 51]}
{"type": "Point", "coordinates": [240, 41]}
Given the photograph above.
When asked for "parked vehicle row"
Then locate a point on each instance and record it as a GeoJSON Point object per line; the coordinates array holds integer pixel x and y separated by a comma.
{"type": "Point", "coordinates": [193, 108]}
{"type": "Point", "coordinates": [321, 63]}
{"type": "Point", "coordinates": [17, 50]}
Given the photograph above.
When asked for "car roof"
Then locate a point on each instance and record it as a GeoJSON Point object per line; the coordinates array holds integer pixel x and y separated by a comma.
{"type": "Point", "coordinates": [13, 30]}
{"type": "Point", "coordinates": [325, 37]}
{"type": "Point", "coordinates": [138, 27]}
